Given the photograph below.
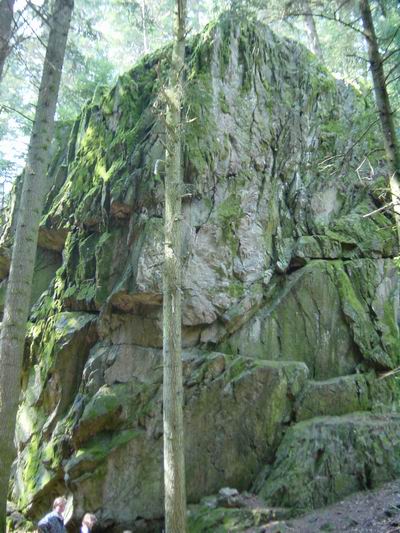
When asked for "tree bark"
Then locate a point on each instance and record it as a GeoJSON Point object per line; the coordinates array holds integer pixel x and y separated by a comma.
{"type": "Point", "coordinates": [383, 104]}
{"type": "Point", "coordinates": [174, 464]}
{"type": "Point", "coordinates": [312, 33]}
{"type": "Point", "coordinates": [16, 307]}
{"type": "Point", "coordinates": [144, 29]}
{"type": "Point", "coordinates": [6, 20]}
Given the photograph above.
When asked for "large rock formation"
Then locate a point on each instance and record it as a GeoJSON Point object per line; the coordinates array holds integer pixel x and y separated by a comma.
{"type": "Point", "coordinates": [290, 293]}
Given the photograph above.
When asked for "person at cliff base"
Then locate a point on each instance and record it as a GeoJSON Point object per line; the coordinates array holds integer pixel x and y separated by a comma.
{"type": "Point", "coordinates": [54, 522]}
{"type": "Point", "coordinates": [88, 522]}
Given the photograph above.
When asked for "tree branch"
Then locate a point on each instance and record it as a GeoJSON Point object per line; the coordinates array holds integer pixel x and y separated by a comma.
{"type": "Point", "coordinates": [379, 210]}
{"type": "Point", "coordinates": [393, 37]}
{"type": "Point", "coordinates": [8, 108]}
{"type": "Point", "coordinates": [38, 12]}
{"type": "Point", "coordinates": [386, 57]}
{"type": "Point", "coordinates": [329, 17]}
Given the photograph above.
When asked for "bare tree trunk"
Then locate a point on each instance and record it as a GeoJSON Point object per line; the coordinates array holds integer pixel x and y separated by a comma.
{"type": "Point", "coordinates": [144, 29]}
{"type": "Point", "coordinates": [383, 104]}
{"type": "Point", "coordinates": [6, 20]}
{"type": "Point", "coordinates": [174, 463]}
{"type": "Point", "coordinates": [312, 33]}
{"type": "Point", "coordinates": [16, 307]}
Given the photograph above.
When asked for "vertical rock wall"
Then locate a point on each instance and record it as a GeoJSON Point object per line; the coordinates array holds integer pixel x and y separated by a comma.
{"type": "Point", "coordinates": [290, 304]}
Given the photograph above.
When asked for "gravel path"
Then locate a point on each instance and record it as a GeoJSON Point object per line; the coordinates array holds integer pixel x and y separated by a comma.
{"type": "Point", "coordinates": [375, 511]}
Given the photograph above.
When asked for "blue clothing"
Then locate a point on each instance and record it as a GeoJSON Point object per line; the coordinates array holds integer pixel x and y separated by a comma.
{"type": "Point", "coordinates": [52, 523]}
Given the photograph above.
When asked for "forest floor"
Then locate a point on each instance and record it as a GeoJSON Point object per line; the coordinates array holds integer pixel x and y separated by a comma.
{"type": "Point", "coordinates": [375, 511]}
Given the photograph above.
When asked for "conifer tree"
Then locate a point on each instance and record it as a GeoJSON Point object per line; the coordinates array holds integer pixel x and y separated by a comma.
{"type": "Point", "coordinates": [16, 307]}
{"type": "Point", "coordinates": [390, 140]}
{"type": "Point", "coordinates": [174, 464]}
{"type": "Point", "coordinates": [6, 20]}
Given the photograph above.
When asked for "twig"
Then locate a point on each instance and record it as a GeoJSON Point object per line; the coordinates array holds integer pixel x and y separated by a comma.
{"type": "Point", "coordinates": [371, 173]}
{"type": "Point", "coordinates": [357, 57]}
{"type": "Point", "coordinates": [388, 83]}
{"type": "Point", "coordinates": [393, 69]}
{"type": "Point", "coordinates": [390, 54]}
{"type": "Point", "coordinates": [328, 17]}
{"type": "Point", "coordinates": [390, 373]}
{"type": "Point", "coordinates": [8, 108]}
{"type": "Point", "coordinates": [383, 208]}
{"type": "Point", "coordinates": [38, 12]}
{"type": "Point", "coordinates": [392, 39]}
{"type": "Point", "coordinates": [342, 4]}
{"type": "Point", "coordinates": [34, 32]}
{"type": "Point", "coordinates": [360, 138]}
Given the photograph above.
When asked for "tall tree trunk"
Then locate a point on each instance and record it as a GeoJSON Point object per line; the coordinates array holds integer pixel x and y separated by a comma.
{"type": "Point", "coordinates": [383, 104]}
{"type": "Point", "coordinates": [144, 29]}
{"type": "Point", "coordinates": [312, 33]}
{"type": "Point", "coordinates": [16, 307]}
{"type": "Point", "coordinates": [6, 20]}
{"type": "Point", "coordinates": [174, 463]}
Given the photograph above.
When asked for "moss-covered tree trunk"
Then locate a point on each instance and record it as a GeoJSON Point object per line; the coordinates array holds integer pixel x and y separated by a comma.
{"type": "Point", "coordinates": [174, 464]}
{"type": "Point", "coordinates": [6, 20]}
{"type": "Point", "coordinates": [383, 104]}
{"type": "Point", "coordinates": [16, 307]}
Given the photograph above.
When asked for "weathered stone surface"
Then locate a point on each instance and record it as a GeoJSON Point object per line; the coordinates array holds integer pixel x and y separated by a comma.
{"type": "Point", "coordinates": [266, 205]}
{"type": "Point", "coordinates": [242, 415]}
{"type": "Point", "coordinates": [307, 308]}
{"type": "Point", "coordinates": [325, 306]}
{"type": "Point", "coordinates": [346, 394]}
{"type": "Point", "coordinates": [52, 239]}
{"type": "Point", "coordinates": [284, 281]}
{"type": "Point", "coordinates": [315, 247]}
{"type": "Point", "coordinates": [58, 350]}
{"type": "Point", "coordinates": [324, 459]}
{"type": "Point", "coordinates": [46, 265]}
{"type": "Point", "coordinates": [115, 439]}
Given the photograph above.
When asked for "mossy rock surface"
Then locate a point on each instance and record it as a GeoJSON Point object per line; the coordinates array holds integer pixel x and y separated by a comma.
{"type": "Point", "coordinates": [290, 294]}
{"type": "Point", "coordinates": [254, 204]}
{"type": "Point", "coordinates": [347, 394]}
{"type": "Point", "coordinates": [326, 307]}
{"type": "Point", "coordinates": [323, 459]}
{"type": "Point", "coordinates": [203, 519]}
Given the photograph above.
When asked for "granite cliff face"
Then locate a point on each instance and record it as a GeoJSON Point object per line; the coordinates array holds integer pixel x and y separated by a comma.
{"type": "Point", "coordinates": [290, 304]}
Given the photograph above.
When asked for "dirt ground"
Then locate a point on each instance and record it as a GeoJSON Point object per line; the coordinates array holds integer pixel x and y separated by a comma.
{"type": "Point", "coordinates": [375, 511]}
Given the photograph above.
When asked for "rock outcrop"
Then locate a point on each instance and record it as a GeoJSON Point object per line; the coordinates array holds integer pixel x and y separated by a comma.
{"type": "Point", "coordinates": [290, 304]}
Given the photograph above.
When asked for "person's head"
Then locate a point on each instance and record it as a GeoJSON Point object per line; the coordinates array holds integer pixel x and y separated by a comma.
{"type": "Point", "coordinates": [89, 520]}
{"type": "Point", "coordinates": [59, 504]}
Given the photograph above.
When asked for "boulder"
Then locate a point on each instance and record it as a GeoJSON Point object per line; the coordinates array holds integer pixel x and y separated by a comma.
{"type": "Point", "coordinates": [324, 459]}
{"type": "Point", "coordinates": [119, 429]}
{"type": "Point", "coordinates": [290, 295]}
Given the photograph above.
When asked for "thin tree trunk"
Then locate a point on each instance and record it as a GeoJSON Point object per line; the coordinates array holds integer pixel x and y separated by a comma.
{"type": "Point", "coordinates": [144, 29]}
{"type": "Point", "coordinates": [383, 104]}
{"type": "Point", "coordinates": [174, 463]}
{"type": "Point", "coordinates": [312, 33]}
{"type": "Point", "coordinates": [16, 307]}
{"type": "Point", "coordinates": [6, 20]}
